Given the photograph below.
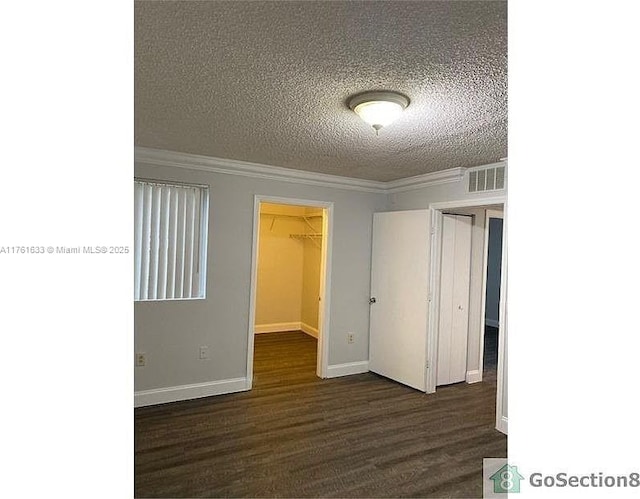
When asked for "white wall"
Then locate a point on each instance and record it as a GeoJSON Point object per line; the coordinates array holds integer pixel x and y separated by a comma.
{"type": "Point", "coordinates": [170, 333]}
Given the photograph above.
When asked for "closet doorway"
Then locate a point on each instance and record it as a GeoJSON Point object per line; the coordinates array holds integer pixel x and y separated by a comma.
{"type": "Point", "coordinates": [290, 276]}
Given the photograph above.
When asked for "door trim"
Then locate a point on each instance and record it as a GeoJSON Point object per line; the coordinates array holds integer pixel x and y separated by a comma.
{"type": "Point", "coordinates": [501, 420]}
{"type": "Point", "coordinates": [325, 279]}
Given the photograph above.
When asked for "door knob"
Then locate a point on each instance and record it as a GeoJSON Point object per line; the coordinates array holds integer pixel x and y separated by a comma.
{"type": "Point", "coordinates": [459, 307]}
{"type": "Point", "coordinates": [372, 299]}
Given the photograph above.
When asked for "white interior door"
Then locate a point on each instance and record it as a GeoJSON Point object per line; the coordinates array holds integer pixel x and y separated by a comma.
{"type": "Point", "coordinates": [455, 275]}
{"type": "Point", "coordinates": [399, 287]}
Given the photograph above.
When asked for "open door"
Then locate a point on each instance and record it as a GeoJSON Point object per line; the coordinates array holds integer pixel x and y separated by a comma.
{"type": "Point", "coordinates": [399, 296]}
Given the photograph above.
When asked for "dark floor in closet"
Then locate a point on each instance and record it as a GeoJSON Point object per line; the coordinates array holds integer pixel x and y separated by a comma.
{"type": "Point", "coordinates": [295, 435]}
{"type": "Point", "coordinates": [490, 350]}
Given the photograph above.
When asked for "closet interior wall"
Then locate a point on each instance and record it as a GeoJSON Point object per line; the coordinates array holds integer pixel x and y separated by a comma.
{"type": "Point", "coordinates": [289, 255]}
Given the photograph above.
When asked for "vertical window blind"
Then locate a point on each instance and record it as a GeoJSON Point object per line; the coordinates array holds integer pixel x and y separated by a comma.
{"type": "Point", "coordinates": [170, 240]}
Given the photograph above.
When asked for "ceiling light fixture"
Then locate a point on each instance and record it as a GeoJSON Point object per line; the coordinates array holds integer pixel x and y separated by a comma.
{"type": "Point", "coordinates": [378, 109]}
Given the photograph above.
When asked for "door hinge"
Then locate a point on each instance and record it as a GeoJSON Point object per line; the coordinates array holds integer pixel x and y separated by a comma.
{"type": "Point", "coordinates": [430, 297]}
{"type": "Point", "coordinates": [433, 230]}
{"type": "Point", "coordinates": [427, 365]}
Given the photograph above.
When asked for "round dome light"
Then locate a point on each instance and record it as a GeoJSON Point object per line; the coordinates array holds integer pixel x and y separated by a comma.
{"type": "Point", "coordinates": [378, 109]}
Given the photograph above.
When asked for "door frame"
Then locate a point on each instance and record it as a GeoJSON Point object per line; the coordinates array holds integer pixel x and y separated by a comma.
{"type": "Point", "coordinates": [437, 210]}
{"type": "Point", "coordinates": [325, 279]}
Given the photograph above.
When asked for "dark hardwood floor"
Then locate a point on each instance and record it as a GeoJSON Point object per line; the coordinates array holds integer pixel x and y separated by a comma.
{"type": "Point", "coordinates": [295, 435]}
{"type": "Point", "coordinates": [490, 361]}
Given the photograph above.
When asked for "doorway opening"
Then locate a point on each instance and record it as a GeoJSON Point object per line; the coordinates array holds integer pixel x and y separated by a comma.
{"type": "Point", "coordinates": [288, 303]}
{"type": "Point", "coordinates": [481, 353]}
{"type": "Point", "coordinates": [493, 272]}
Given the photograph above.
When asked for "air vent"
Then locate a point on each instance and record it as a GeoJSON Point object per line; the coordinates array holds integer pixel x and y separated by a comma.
{"type": "Point", "coordinates": [486, 179]}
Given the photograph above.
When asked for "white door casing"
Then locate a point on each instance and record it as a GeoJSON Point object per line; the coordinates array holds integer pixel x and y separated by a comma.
{"type": "Point", "coordinates": [322, 363]}
{"type": "Point", "coordinates": [502, 420]}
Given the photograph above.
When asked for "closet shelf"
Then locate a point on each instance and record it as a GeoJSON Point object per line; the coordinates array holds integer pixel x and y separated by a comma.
{"type": "Point", "coordinates": [313, 237]}
{"type": "Point", "coordinates": [306, 219]}
{"type": "Point", "coordinates": [280, 215]}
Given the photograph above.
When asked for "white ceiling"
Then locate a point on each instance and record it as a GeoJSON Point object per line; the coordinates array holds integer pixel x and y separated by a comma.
{"type": "Point", "coordinates": [267, 82]}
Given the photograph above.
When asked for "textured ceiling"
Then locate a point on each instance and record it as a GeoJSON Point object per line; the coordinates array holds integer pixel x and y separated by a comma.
{"type": "Point", "coordinates": [267, 82]}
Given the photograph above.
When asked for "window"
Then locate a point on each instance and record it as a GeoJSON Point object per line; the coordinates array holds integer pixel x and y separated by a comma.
{"type": "Point", "coordinates": [170, 240]}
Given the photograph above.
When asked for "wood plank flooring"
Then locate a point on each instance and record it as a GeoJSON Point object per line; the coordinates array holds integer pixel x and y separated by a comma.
{"type": "Point", "coordinates": [295, 435]}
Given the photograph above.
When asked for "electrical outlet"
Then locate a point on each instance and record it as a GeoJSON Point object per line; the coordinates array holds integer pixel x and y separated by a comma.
{"type": "Point", "coordinates": [141, 360]}
{"type": "Point", "coordinates": [350, 337]}
{"type": "Point", "coordinates": [204, 353]}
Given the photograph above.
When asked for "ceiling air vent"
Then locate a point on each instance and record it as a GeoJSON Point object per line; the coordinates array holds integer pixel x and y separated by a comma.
{"type": "Point", "coordinates": [486, 179]}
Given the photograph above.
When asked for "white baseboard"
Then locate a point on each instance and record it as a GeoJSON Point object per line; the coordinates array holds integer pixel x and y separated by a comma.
{"type": "Point", "coordinates": [277, 327]}
{"type": "Point", "coordinates": [348, 369]}
{"type": "Point", "coordinates": [311, 331]}
{"type": "Point", "coordinates": [492, 323]}
{"type": "Point", "coordinates": [474, 376]}
{"type": "Point", "coordinates": [502, 425]}
{"type": "Point", "coordinates": [187, 392]}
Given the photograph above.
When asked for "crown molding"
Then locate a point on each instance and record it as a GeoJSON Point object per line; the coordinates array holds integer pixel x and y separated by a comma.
{"type": "Point", "coordinates": [425, 180]}
{"type": "Point", "coordinates": [159, 157]}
